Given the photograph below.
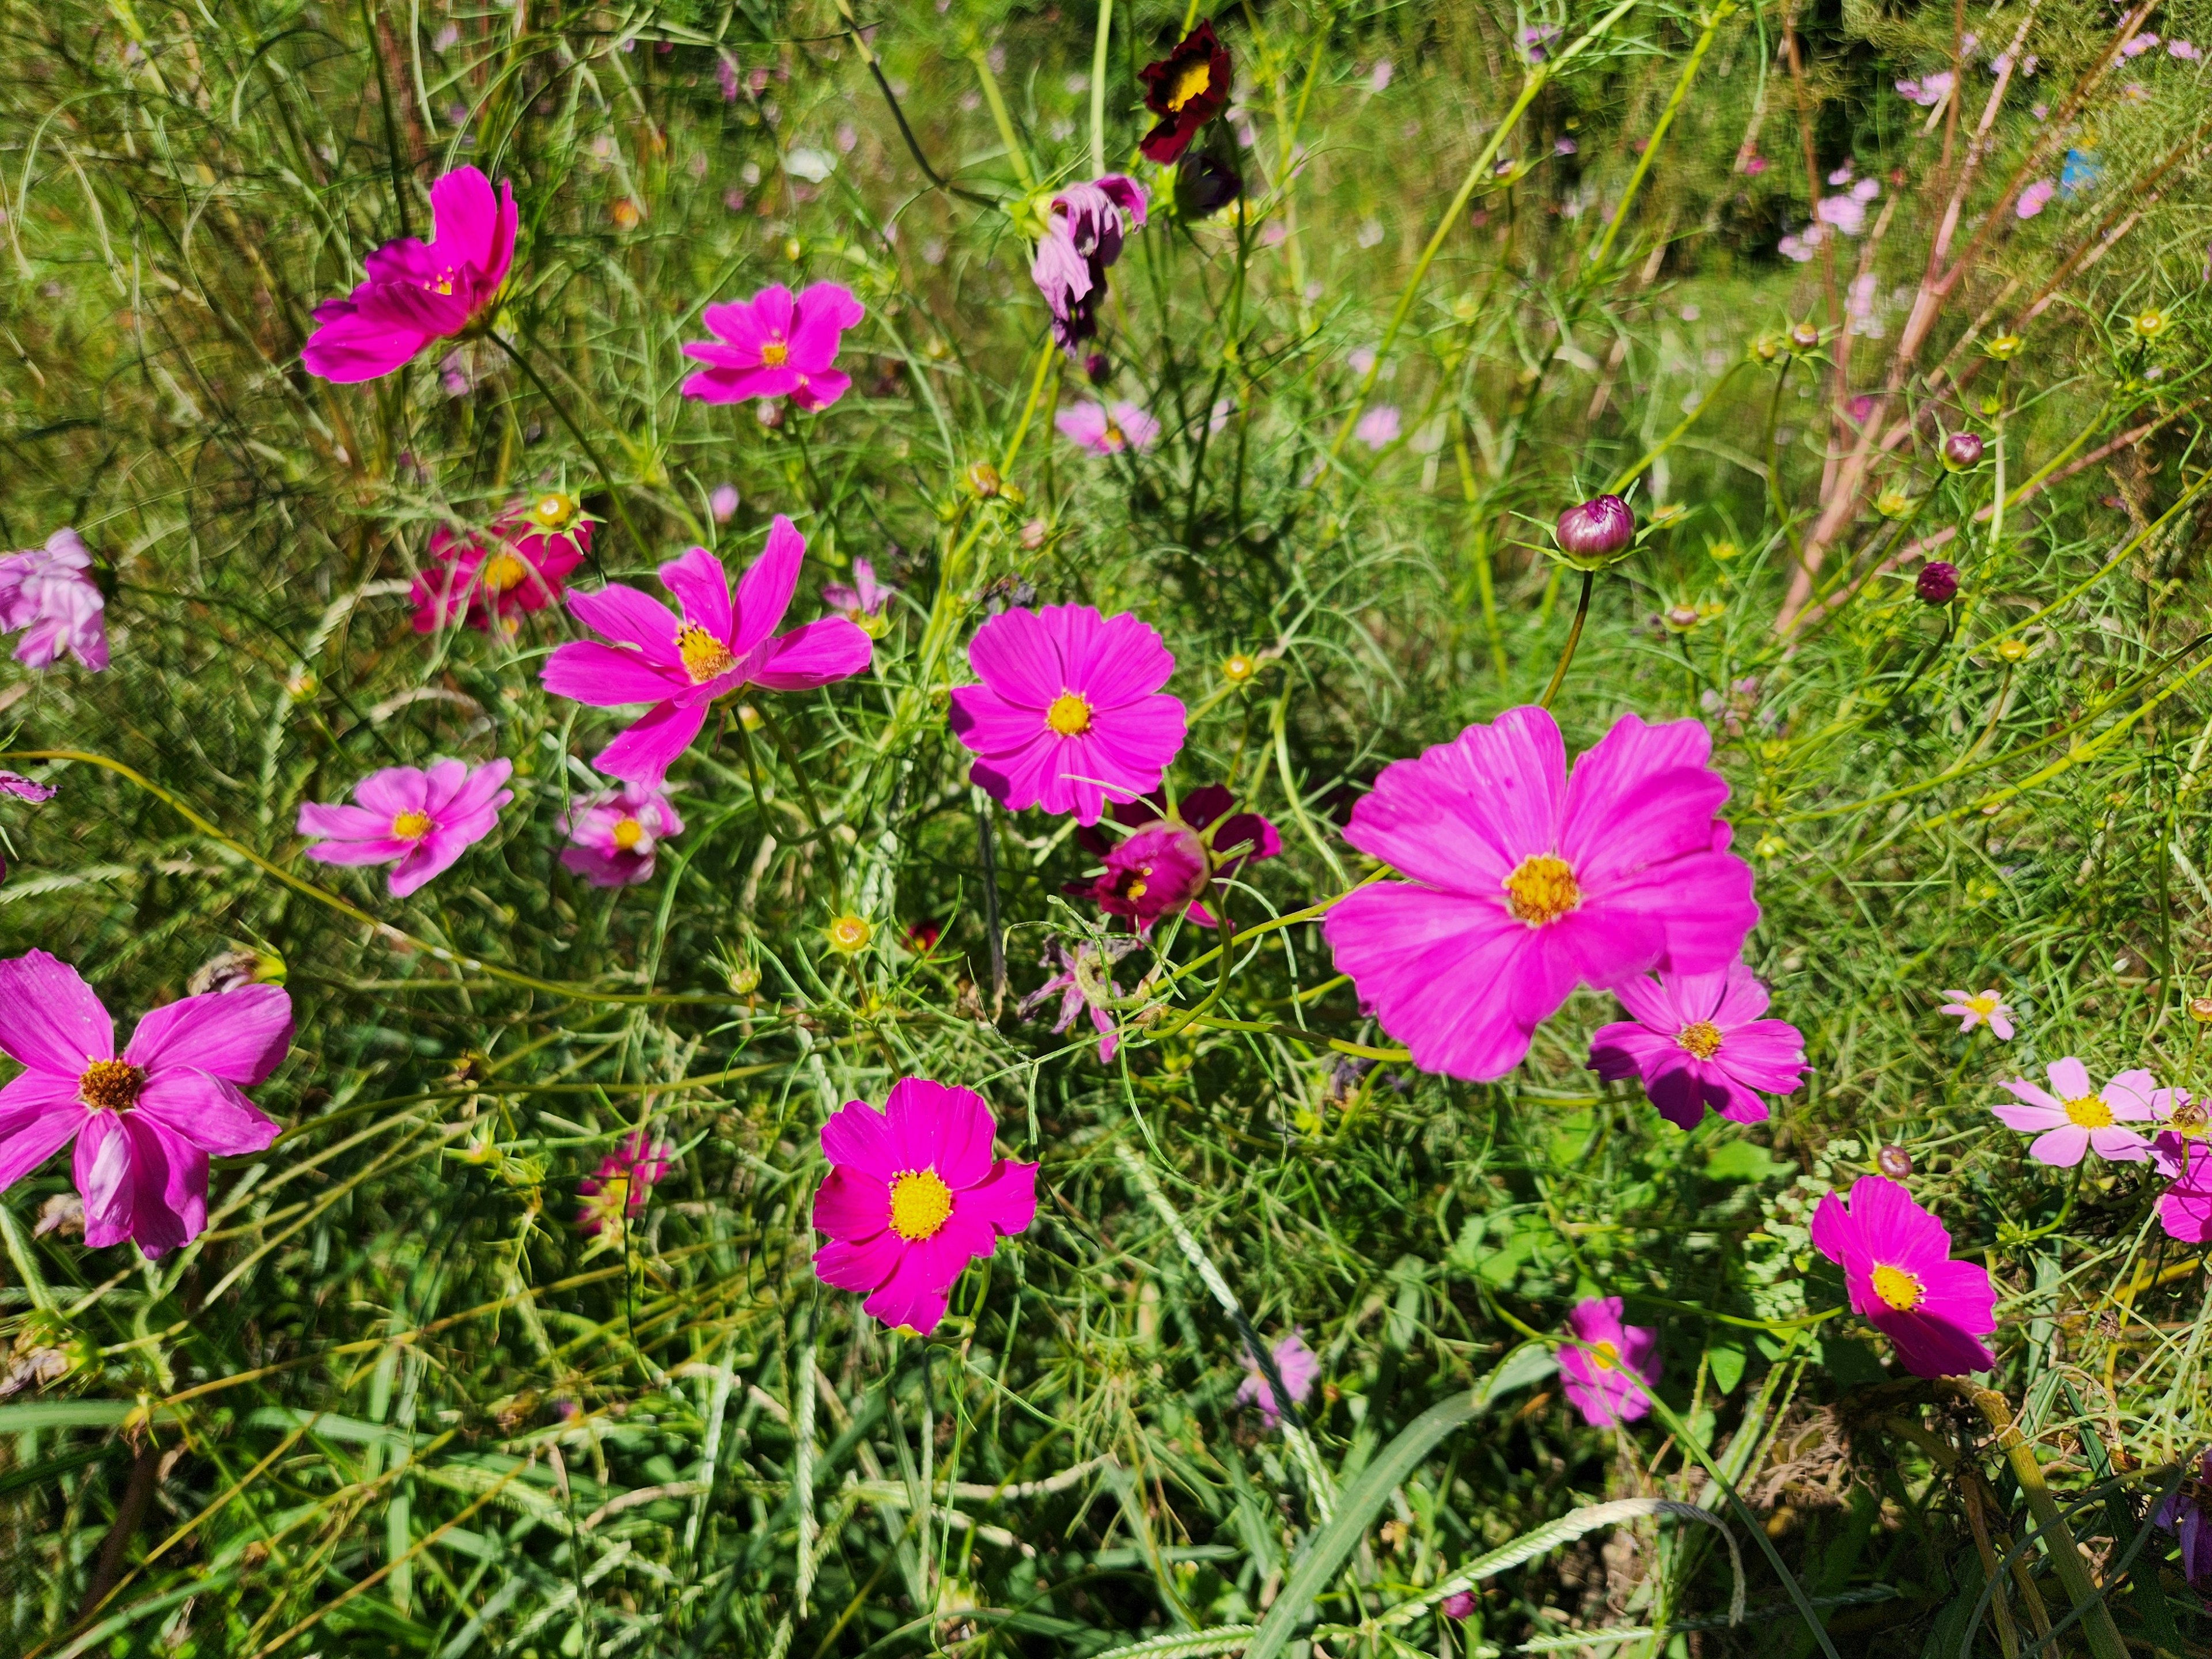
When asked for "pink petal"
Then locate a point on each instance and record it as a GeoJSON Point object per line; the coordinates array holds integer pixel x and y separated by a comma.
{"type": "Point", "coordinates": [206, 1110]}
{"type": "Point", "coordinates": [724, 385]}
{"type": "Point", "coordinates": [702, 587]}
{"type": "Point", "coordinates": [1638, 772]}
{"type": "Point", "coordinates": [2070, 1080]}
{"type": "Point", "coordinates": [425, 861]}
{"type": "Point", "coordinates": [1836, 1234]}
{"type": "Point", "coordinates": [828, 649]}
{"type": "Point", "coordinates": [31, 1133]}
{"type": "Point", "coordinates": [348, 349]}
{"type": "Point", "coordinates": [733, 321]}
{"type": "Point", "coordinates": [2117, 1145]}
{"type": "Point", "coordinates": [1439, 971]}
{"type": "Point", "coordinates": [49, 1020]}
{"type": "Point", "coordinates": [1114, 661]}
{"type": "Point", "coordinates": [629, 618]}
{"type": "Point", "coordinates": [644, 753]}
{"type": "Point", "coordinates": [2129, 1095]}
{"type": "Point", "coordinates": [765, 591]}
{"type": "Point", "coordinates": [1004, 1199]}
{"type": "Point", "coordinates": [862, 1264]}
{"type": "Point", "coordinates": [1929, 1345]}
{"type": "Point", "coordinates": [356, 852]}
{"type": "Point", "coordinates": [852, 1205]}
{"type": "Point", "coordinates": [1701, 905]}
{"type": "Point", "coordinates": [240, 1036]}
{"type": "Point", "coordinates": [1466, 814]}
{"type": "Point", "coordinates": [392, 790]}
{"type": "Point", "coordinates": [478, 789]}
{"type": "Point", "coordinates": [169, 1206]}
{"type": "Point", "coordinates": [1017, 657]}
{"type": "Point", "coordinates": [948, 1129]}
{"type": "Point", "coordinates": [860, 1135]}
{"type": "Point", "coordinates": [400, 306]}
{"type": "Point", "coordinates": [586, 671]}
{"type": "Point", "coordinates": [464, 219]}
{"type": "Point", "coordinates": [105, 1179]}
{"type": "Point", "coordinates": [825, 312]}
{"type": "Point", "coordinates": [2021, 1089]}
{"type": "Point", "coordinates": [2030, 1119]}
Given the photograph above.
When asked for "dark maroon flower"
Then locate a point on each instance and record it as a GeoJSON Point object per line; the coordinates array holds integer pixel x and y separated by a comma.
{"type": "Point", "coordinates": [1596, 530]}
{"type": "Point", "coordinates": [1204, 185]}
{"type": "Point", "coordinates": [1170, 858]}
{"type": "Point", "coordinates": [1186, 89]}
{"type": "Point", "coordinates": [1961, 451]}
{"type": "Point", "coordinates": [1938, 582]}
{"type": "Point", "coordinates": [1097, 369]}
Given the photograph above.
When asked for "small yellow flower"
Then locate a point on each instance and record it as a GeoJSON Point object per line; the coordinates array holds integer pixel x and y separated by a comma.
{"type": "Point", "coordinates": [2012, 650]}
{"type": "Point", "coordinates": [849, 934]}
{"type": "Point", "coordinates": [2005, 347]}
{"type": "Point", "coordinates": [1723, 552]}
{"type": "Point", "coordinates": [1895, 503]}
{"type": "Point", "coordinates": [2149, 325]}
{"type": "Point", "coordinates": [1237, 668]}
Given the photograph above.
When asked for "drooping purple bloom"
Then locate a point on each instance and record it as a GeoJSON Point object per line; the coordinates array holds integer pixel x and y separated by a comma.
{"type": "Point", "coordinates": [1084, 231]}
{"type": "Point", "coordinates": [1084, 984]}
{"type": "Point", "coordinates": [49, 594]}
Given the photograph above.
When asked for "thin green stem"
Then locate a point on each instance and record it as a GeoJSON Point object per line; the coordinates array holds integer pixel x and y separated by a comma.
{"type": "Point", "coordinates": [591, 449]}
{"type": "Point", "coordinates": [1574, 638]}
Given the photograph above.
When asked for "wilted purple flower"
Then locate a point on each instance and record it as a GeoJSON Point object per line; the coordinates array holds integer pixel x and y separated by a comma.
{"type": "Point", "coordinates": [2183, 50]}
{"type": "Point", "coordinates": [1962, 450]}
{"type": "Point", "coordinates": [1938, 582]}
{"type": "Point", "coordinates": [1204, 185]}
{"type": "Point", "coordinates": [1083, 236]}
{"type": "Point", "coordinates": [2137, 44]}
{"type": "Point", "coordinates": [1084, 984]}
{"type": "Point", "coordinates": [15, 783]}
{"type": "Point", "coordinates": [864, 598]}
{"type": "Point", "coordinates": [1597, 529]}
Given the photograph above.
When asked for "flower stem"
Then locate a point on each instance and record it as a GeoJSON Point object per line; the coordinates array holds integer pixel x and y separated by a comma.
{"type": "Point", "coordinates": [591, 449]}
{"type": "Point", "coordinates": [1098, 88]}
{"type": "Point", "coordinates": [1574, 638]}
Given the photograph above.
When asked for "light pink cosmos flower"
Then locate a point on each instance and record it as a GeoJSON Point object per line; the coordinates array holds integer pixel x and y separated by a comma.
{"type": "Point", "coordinates": [1845, 213]}
{"type": "Point", "coordinates": [2137, 44]}
{"type": "Point", "coordinates": [681, 664]}
{"type": "Point", "coordinates": [1928, 91]}
{"type": "Point", "coordinates": [775, 346]}
{"type": "Point", "coordinates": [1091, 426]}
{"type": "Point", "coordinates": [1298, 1367]}
{"type": "Point", "coordinates": [865, 599]}
{"type": "Point", "coordinates": [1608, 1380]}
{"type": "Point", "coordinates": [1980, 1008]}
{"type": "Point", "coordinates": [2078, 1117]}
{"type": "Point", "coordinates": [1896, 1258]}
{"type": "Point", "coordinates": [2036, 197]}
{"type": "Point", "coordinates": [614, 835]}
{"type": "Point", "coordinates": [420, 823]}
{"type": "Point", "coordinates": [1696, 1041]}
{"type": "Point", "coordinates": [1525, 883]}
{"type": "Point", "coordinates": [418, 292]}
{"type": "Point", "coordinates": [145, 1123]}
{"type": "Point", "coordinates": [1070, 714]}
{"type": "Point", "coordinates": [2183, 50]}
{"type": "Point", "coordinates": [1378, 427]}
{"type": "Point", "coordinates": [723, 503]}
{"type": "Point", "coordinates": [616, 1195]}
{"type": "Point", "coordinates": [914, 1195]}
{"type": "Point", "coordinates": [47, 593]}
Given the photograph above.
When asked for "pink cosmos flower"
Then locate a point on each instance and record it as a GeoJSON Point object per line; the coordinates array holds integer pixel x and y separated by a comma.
{"type": "Point", "coordinates": [2188, 1516]}
{"type": "Point", "coordinates": [1696, 1041]}
{"type": "Point", "coordinates": [1525, 882]}
{"type": "Point", "coordinates": [723, 503]}
{"type": "Point", "coordinates": [1928, 91]}
{"type": "Point", "coordinates": [681, 664]}
{"type": "Point", "coordinates": [2135, 45]}
{"type": "Point", "coordinates": [1084, 231]}
{"type": "Point", "coordinates": [1298, 1367]}
{"type": "Point", "coordinates": [2036, 197]}
{"type": "Point", "coordinates": [1169, 861]}
{"type": "Point", "coordinates": [1084, 984]}
{"type": "Point", "coordinates": [2183, 50]}
{"type": "Point", "coordinates": [2078, 1117]}
{"type": "Point", "coordinates": [1378, 427]}
{"type": "Point", "coordinates": [2185, 1157]}
{"type": "Point", "coordinates": [614, 835]}
{"type": "Point", "coordinates": [914, 1195]}
{"type": "Point", "coordinates": [145, 1122]}
{"type": "Point", "coordinates": [616, 1195]}
{"type": "Point", "coordinates": [418, 292]}
{"type": "Point", "coordinates": [46, 593]}
{"type": "Point", "coordinates": [1608, 1380]}
{"type": "Point", "coordinates": [517, 564]}
{"type": "Point", "coordinates": [1092, 427]}
{"type": "Point", "coordinates": [420, 823]}
{"type": "Point", "coordinates": [775, 346]}
{"type": "Point", "coordinates": [864, 600]}
{"type": "Point", "coordinates": [15, 783]}
{"type": "Point", "coordinates": [1896, 1257]}
{"type": "Point", "coordinates": [1980, 1008]}
{"type": "Point", "coordinates": [1070, 714]}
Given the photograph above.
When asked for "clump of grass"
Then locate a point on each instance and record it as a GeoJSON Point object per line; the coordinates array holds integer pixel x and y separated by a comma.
{"type": "Point", "coordinates": [396, 1399]}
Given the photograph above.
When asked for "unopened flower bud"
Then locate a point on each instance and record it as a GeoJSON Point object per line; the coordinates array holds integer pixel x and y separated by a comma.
{"type": "Point", "coordinates": [849, 934]}
{"type": "Point", "coordinates": [2012, 650]}
{"type": "Point", "coordinates": [2200, 1010]}
{"type": "Point", "coordinates": [1767, 347]}
{"type": "Point", "coordinates": [1097, 369]}
{"type": "Point", "coordinates": [1938, 583]}
{"type": "Point", "coordinates": [1962, 450]}
{"type": "Point", "coordinates": [983, 479]}
{"type": "Point", "coordinates": [1595, 533]}
{"type": "Point", "coordinates": [1033, 534]}
{"type": "Point", "coordinates": [1459, 1605]}
{"type": "Point", "coordinates": [1894, 1161]}
{"type": "Point", "coordinates": [1893, 503]}
{"type": "Point", "coordinates": [2005, 347]}
{"type": "Point", "coordinates": [1238, 668]}
{"type": "Point", "coordinates": [1804, 336]}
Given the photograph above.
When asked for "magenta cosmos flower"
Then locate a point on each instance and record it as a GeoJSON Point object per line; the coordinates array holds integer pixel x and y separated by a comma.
{"type": "Point", "coordinates": [1696, 1041]}
{"type": "Point", "coordinates": [1980, 1008]}
{"type": "Point", "coordinates": [1298, 1367]}
{"type": "Point", "coordinates": [418, 292]}
{"type": "Point", "coordinates": [1170, 858]}
{"type": "Point", "coordinates": [2185, 1157]}
{"type": "Point", "coordinates": [1605, 1379]}
{"type": "Point", "coordinates": [418, 821]}
{"type": "Point", "coordinates": [775, 346]}
{"type": "Point", "coordinates": [862, 603]}
{"type": "Point", "coordinates": [49, 594]}
{"type": "Point", "coordinates": [145, 1122]}
{"type": "Point", "coordinates": [614, 835]}
{"type": "Point", "coordinates": [1896, 1257]}
{"type": "Point", "coordinates": [1526, 881]}
{"type": "Point", "coordinates": [914, 1193]}
{"type": "Point", "coordinates": [1070, 714]}
{"type": "Point", "coordinates": [2077, 1117]}
{"type": "Point", "coordinates": [517, 563]}
{"type": "Point", "coordinates": [615, 1197]}
{"type": "Point", "coordinates": [1108, 431]}
{"type": "Point", "coordinates": [681, 663]}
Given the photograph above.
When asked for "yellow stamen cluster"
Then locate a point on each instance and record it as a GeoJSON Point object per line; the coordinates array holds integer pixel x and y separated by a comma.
{"type": "Point", "coordinates": [704, 658]}
{"type": "Point", "coordinates": [776, 352]}
{"type": "Point", "coordinates": [1194, 79]}
{"type": "Point", "coordinates": [1542, 890]}
{"type": "Point", "coordinates": [502, 572]}
{"type": "Point", "coordinates": [111, 1085]}
{"type": "Point", "coordinates": [628, 833]}
{"type": "Point", "coordinates": [1899, 1289]}
{"type": "Point", "coordinates": [410, 826]}
{"type": "Point", "coordinates": [1701, 1038]}
{"type": "Point", "coordinates": [920, 1203]}
{"type": "Point", "coordinates": [1069, 715]}
{"type": "Point", "coordinates": [2090, 1112]}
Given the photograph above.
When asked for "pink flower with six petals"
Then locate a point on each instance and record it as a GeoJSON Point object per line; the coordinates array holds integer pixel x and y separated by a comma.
{"type": "Point", "coordinates": [418, 292]}
{"type": "Point", "coordinates": [1526, 881]}
{"type": "Point", "coordinates": [1980, 1008]}
{"type": "Point", "coordinates": [775, 346]}
{"type": "Point", "coordinates": [145, 1123]}
{"type": "Point", "coordinates": [1896, 1258]}
{"type": "Point", "coordinates": [914, 1195]}
{"type": "Point", "coordinates": [1607, 1378]}
{"type": "Point", "coordinates": [1070, 714]}
{"type": "Point", "coordinates": [1696, 1041]}
{"type": "Point", "coordinates": [681, 664]}
{"type": "Point", "coordinates": [2078, 1117]}
{"type": "Point", "coordinates": [46, 593]}
{"type": "Point", "coordinates": [420, 823]}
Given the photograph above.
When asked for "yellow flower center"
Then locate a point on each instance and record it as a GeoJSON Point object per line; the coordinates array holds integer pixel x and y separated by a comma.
{"type": "Point", "coordinates": [1542, 890]}
{"type": "Point", "coordinates": [553, 509]}
{"type": "Point", "coordinates": [1238, 669]}
{"type": "Point", "coordinates": [628, 833]}
{"type": "Point", "coordinates": [504, 571]}
{"type": "Point", "coordinates": [1115, 438]}
{"type": "Point", "coordinates": [850, 932]}
{"type": "Point", "coordinates": [1069, 716]}
{"type": "Point", "coordinates": [1901, 1289]}
{"type": "Point", "coordinates": [2090, 1112]}
{"type": "Point", "coordinates": [776, 352]}
{"type": "Point", "coordinates": [1701, 1037]}
{"type": "Point", "coordinates": [705, 657]}
{"type": "Point", "coordinates": [920, 1203]}
{"type": "Point", "coordinates": [410, 826]}
{"type": "Point", "coordinates": [111, 1085]}
{"type": "Point", "coordinates": [444, 282]}
{"type": "Point", "coordinates": [1605, 1356]}
{"type": "Point", "coordinates": [1194, 79]}
{"type": "Point", "coordinates": [1984, 1004]}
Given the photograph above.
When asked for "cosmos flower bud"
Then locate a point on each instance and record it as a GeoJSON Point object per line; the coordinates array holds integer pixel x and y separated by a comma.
{"type": "Point", "coordinates": [1097, 369]}
{"type": "Point", "coordinates": [1962, 450]}
{"type": "Point", "coordinates": [1596, 533]}
{"type": "Point", "coordinates": [1894, 1161]}
{"type": "Point", "coordinates": [2200, 1010]}
{"type": "Point", "coordinates": [1938, 583]}
{"type": "Point", "coordinates": [1804, 336]}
